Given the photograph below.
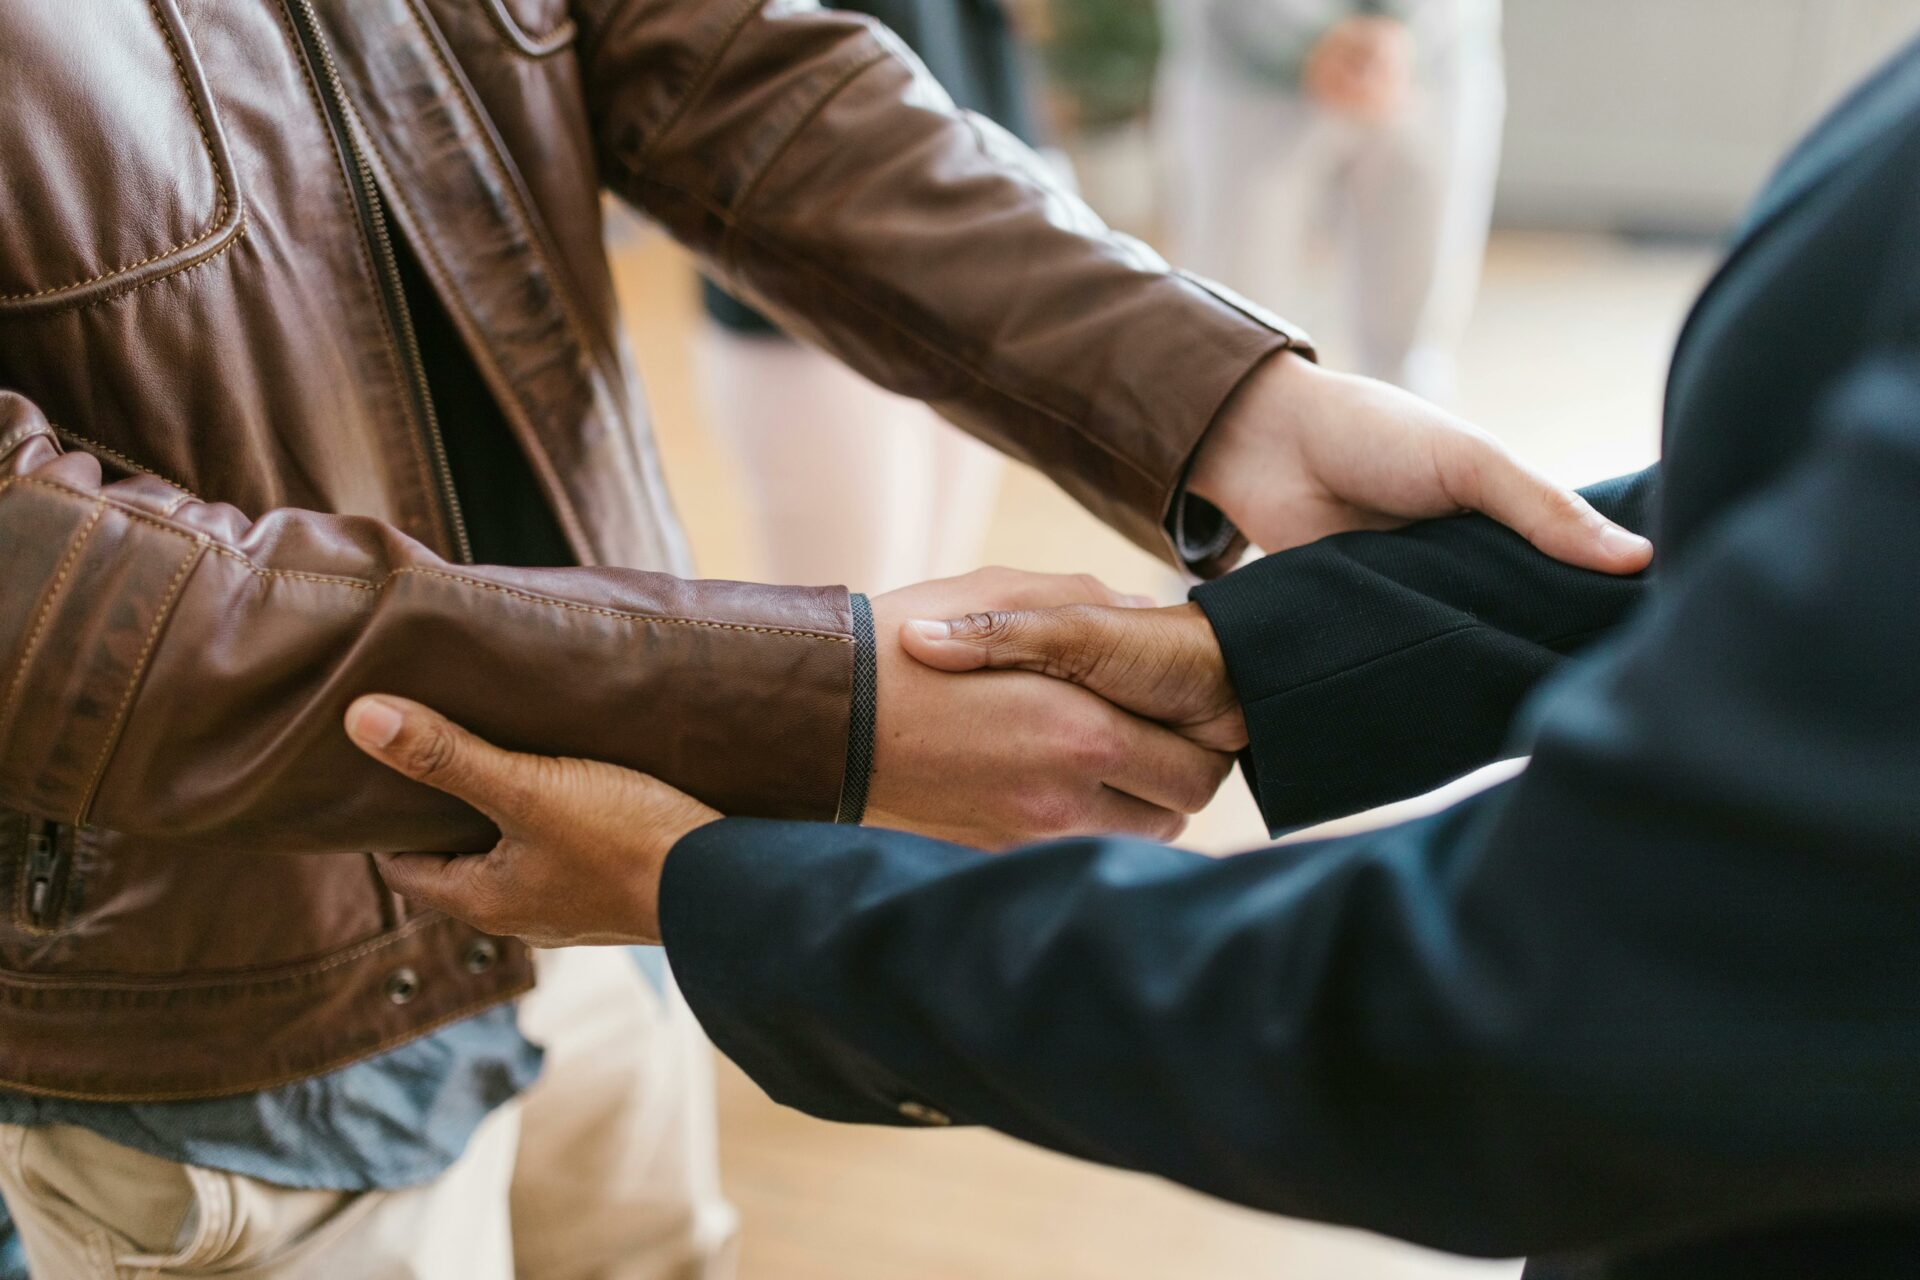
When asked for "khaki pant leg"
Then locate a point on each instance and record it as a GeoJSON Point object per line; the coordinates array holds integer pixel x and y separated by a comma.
{"type": "Point", "coordinates": [618, 1177]}
{"type": "Point", "coordinates": [90, 1209]}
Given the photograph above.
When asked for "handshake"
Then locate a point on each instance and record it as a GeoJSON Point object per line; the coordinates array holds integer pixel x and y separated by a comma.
{"type": "Point", "coordinates": [1012, 706]}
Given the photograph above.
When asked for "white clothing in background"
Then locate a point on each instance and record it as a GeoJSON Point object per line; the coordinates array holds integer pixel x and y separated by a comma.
{"type": "Point", "coordinates": [1255, 171]}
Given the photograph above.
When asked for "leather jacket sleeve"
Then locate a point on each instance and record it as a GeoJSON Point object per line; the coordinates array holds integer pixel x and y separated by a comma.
{"type": "Point", "coordinates": [823, 174]}
{"type": "Point", "coordinates": [172, 669]}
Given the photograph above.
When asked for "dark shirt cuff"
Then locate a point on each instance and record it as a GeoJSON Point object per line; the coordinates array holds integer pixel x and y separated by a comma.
{"type": "Point", "coordinates": [866, 702]}
{"type": "Point", "coordinates": [1204, 540]}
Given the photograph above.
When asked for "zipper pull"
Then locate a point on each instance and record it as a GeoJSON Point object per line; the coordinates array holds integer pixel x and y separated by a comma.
{"type": "Point", "coordinates": [43, 863]}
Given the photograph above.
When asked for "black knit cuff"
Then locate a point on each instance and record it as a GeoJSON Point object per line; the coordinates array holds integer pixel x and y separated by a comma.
{"type": "Point", "coordinates": [866, 702]}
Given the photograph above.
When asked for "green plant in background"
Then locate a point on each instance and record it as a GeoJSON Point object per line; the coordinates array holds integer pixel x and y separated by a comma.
{"type": "Point", "coordinates": [1100, 55]}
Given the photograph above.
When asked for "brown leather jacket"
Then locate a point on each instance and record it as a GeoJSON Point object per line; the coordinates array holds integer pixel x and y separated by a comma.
{"type": "Point", "coordinates": [225, 507]}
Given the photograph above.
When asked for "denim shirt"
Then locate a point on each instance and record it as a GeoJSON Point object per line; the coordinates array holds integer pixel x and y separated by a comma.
{"type": "Point", "coordinates": [395, 1120]}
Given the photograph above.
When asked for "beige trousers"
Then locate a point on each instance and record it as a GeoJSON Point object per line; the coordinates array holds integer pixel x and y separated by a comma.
{"type": "Point", "coordinates": [604, 1170]}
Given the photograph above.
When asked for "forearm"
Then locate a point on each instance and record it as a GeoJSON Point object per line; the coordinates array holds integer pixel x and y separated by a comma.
{"type": "Point", "coordinates": [1657, 986]}
{"type": "Point", "coordinates": [179, 671]}
{"type": "Point", "coordinates": [1375, 666]}
{"type": "Point", "coordinates": [826, 177]}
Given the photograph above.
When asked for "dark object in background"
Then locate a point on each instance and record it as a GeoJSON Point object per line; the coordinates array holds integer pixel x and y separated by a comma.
{"type": "Point", "coordinates": [969, 47]}
{"type": "Point", "coordinates": [13, 1258]}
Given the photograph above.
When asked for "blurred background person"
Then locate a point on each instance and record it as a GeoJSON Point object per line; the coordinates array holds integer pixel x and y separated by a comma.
{"type": "Point", "coordinates": [846, 482]}
{"type": "Point", "coordinates": [1377, 121]}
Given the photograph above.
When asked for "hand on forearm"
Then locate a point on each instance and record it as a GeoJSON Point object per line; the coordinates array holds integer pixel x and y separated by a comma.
{"type": "Point", "coordinates": [581, 843]}
{"type": "Point", "coordinates": [1301, 452]}
{"type": "Point", "coordinates": [992, 760]}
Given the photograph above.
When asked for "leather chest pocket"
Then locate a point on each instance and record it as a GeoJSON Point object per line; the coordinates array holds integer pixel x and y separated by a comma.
{"type": "Point", "coordinates": [116, 171]}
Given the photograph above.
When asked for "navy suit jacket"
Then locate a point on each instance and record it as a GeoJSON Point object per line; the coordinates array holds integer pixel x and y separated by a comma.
{"type": "Point", "coordinates": [1652, 1009]}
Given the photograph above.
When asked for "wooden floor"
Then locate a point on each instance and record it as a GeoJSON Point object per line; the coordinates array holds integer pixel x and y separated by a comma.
{"type": "Point", "coordinates": [1566, 362]}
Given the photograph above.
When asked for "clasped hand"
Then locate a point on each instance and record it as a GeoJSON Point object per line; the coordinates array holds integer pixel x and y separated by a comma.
{"type": "Point", "coordinates": [983, 757]}
{"type": "Point", "coordinates": [1012, 706]}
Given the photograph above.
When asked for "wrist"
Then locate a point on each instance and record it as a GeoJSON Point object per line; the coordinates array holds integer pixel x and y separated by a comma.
{"type": "Point", "coordinates": [1269, 399]}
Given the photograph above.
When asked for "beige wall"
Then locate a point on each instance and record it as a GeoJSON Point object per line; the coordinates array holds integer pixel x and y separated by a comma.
{"type": "Point", "coordinates": [1666, 114]}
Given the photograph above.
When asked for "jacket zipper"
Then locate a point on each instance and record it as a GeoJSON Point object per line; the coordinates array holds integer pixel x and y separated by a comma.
{"type": "Point", "coordinates": [45, 865]}
{"type": "Point", "coordinates": [373, 226]}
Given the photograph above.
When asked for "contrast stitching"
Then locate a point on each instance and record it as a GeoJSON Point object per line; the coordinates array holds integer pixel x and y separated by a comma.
{"type": "Point", "coordinates": [9, 708]}
{"type": "Point", "coordinates": [134, 682]}
{"type": "Point", "coordinates": [512, 992]}
{"type": "Point", "coordinates": [213, 162]}
{"type": "Point", "coordinates": [241, 979]}
{"type": "Point", "coordinates": [20, 435]}
{"type": "Point", "coordinates": [114, 455]}
{"type": "Point", "coordinates": [616, 613]}
{"type": "Point", "coordinates": [379, 584]}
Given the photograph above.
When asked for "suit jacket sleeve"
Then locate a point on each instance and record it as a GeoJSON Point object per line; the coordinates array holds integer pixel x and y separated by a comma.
{"type": "Point", "coordinates": [1376, 666]}
{"type": "Point", "coordinates": [1660, 984]}
{"type": "Point", "coordinates": [823, 174]}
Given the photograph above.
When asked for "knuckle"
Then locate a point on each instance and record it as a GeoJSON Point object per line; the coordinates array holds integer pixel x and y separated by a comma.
{"type": "Point", "coordinates": [1565, 504]}
{"type": "Point", "coordinates": [989, 627]}
{"type": "Point", "coordinates": [1199, 787]}
{"type": "Point", "coordinates": [1052, 811]}
{"type": "Point", "coordinates": [434, 753]}
{"type": "Point", "coordinates": [489, 907]}
{"type": "Point", "coordinates": [1087, 745]}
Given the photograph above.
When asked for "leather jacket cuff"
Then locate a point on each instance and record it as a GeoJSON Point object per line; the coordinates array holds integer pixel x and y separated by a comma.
{"type": "Point", "coordinates": [1204, 542]}
{"type": "Point", "coordinates": [860, 723]}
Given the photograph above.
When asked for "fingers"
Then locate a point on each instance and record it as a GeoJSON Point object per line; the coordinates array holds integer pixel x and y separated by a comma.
{"type": "Point", "coordinates": [1559, 522]}
{"type": "Point", "coordinates": [426, 746]}
{"type": "Point", "coordinates": [454, 885]}
{"type": "Point", "coordinates": [1116, 812]}
{"type": "Point", "coordinates": [1159, 766]}
{"type": "Point", "coordinates": [1063, 643]}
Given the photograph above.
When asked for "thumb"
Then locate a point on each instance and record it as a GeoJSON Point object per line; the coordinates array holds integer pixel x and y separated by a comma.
{"type": "Point", "coordinates": [1557, 521]}
{"type": "Point", "coordinates": [424, 745]}
{"type": "Point", "coordinates": [1066, 643]}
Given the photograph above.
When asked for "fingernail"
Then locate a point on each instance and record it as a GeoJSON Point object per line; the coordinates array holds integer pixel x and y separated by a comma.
{"type": "Point", "coordinates": [1617, 541]}
{"type": "Point", "coordinates": [927, 630]}
{"type": "Point", "coordinates": [373, 723]}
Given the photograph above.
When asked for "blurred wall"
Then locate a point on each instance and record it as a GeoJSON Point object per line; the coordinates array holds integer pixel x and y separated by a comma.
{"type": "Point", "coordinates": [1665, 115]}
